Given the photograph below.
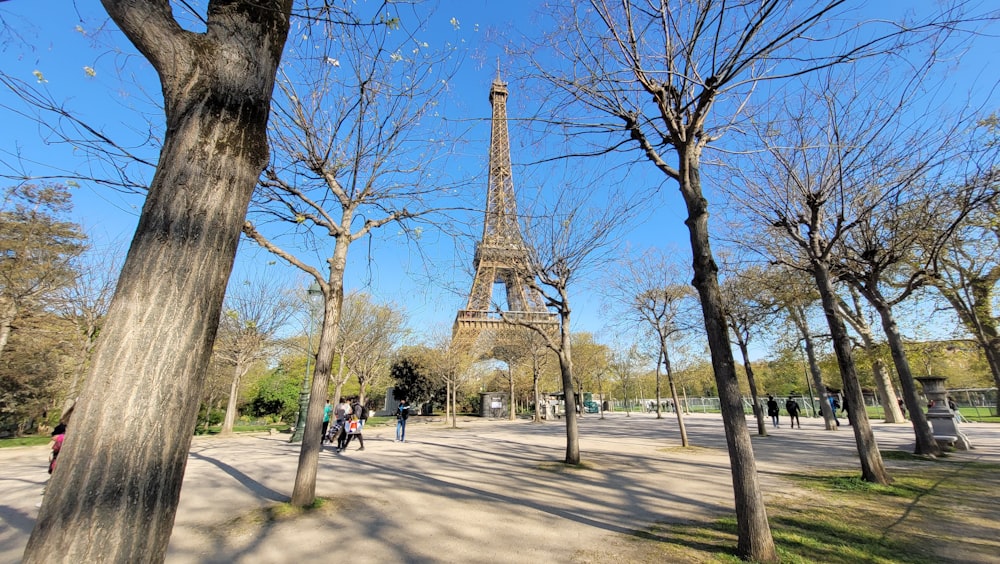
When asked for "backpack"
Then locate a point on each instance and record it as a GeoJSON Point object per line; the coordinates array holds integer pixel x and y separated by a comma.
{"type": "Point", "coordinates": [364, 413]}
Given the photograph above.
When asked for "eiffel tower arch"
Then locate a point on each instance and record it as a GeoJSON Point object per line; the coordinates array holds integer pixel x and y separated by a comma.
{"type": "Point", "coordinates": [502, 257]}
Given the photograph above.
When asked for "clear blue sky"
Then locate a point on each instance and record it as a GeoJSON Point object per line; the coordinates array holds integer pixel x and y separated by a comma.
{"type": "Point", "coordinates": [52, 46]}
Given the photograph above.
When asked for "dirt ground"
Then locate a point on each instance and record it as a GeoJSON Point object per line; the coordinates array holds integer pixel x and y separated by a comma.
{"type": "Point", "coordinates": [486, 491]}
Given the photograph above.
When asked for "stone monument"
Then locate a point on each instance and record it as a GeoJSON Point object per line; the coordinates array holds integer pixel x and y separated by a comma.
{"type": "Point", "coordinates": [941, 418]}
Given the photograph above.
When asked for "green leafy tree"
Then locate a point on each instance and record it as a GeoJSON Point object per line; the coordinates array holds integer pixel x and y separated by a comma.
{"type": "Point", "coordinates": [412, 380]}
{"type": "Point", "coordinates": [37, 247]}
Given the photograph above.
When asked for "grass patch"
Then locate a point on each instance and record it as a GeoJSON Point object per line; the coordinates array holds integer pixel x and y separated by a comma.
{"type": "Point", "coordinates": [252, 521]}
{"type": "Point", "coordinates": [836, 518]}
{"type": "Point", "coordinates": [280, 427]}
{"type": "Point", "coordinates": [31, 440]}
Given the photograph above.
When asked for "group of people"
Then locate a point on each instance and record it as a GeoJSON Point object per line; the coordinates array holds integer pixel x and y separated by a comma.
{"type": "Point", "coordinates": [793, 409]}
{"type": "Point", "coordinates": [349, 421]}
{"type": "Point", "coordinates": [349, 417]}
{"type": "Point", "coordinates": [791, 406]}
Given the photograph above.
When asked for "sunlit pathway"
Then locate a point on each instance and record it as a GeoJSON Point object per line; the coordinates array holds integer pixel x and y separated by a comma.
{"type": "Point", "coordinates": [487, 491]}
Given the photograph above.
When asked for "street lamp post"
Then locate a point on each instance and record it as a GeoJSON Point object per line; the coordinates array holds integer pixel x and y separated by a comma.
{"type": "Point", "coordinates": [300, 423]}
{"type": "Point", "coordinates": [809, 387]}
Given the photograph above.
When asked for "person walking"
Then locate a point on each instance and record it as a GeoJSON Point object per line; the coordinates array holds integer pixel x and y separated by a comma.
{"type": "Point", "coordinates": [402, 414]}
{"type": "Point", "coordinates": [772, 410]}
{"type": "Point", "coordinates": [343, 415]}
{"type": "Point", "coordinates": [358, 415]}
{"type": "Point", "coordinates": [327, 412]}
{"type": "Point", "coordinates": [792, 407]}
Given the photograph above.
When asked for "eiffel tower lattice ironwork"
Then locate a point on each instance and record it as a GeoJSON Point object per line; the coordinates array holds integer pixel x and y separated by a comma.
{"type": "Point", "coordinates": [501, 257]}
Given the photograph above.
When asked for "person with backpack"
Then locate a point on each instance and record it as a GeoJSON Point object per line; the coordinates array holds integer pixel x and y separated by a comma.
{"type": "Point", "coordinates": [402, 413]}
{"type": "Point", "coordinates": [343, 415]}
{"type": "Point", "coordinates": [792, 407]}
{"type": "Point", "coordinates": [355, 425]}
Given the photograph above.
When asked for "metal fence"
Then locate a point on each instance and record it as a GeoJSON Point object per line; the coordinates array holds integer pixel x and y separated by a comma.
{"type": "Point", "coordinates": [981, 399]}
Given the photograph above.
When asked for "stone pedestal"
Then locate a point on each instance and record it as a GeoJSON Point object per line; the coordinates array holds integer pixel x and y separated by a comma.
{"type": "Point", "coordinates": [942, 419]}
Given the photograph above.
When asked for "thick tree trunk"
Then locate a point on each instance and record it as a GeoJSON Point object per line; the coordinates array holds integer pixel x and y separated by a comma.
{"type": "Point", "coordinates": [115, 493]}
{"type": "Point", "coordinates": [798, 315]}
{"type": "Point", "coordinates": [872, 468]}
{"type": "Point", "coordinates": [925, 443]}
{"type": "Point", "coordinates": [753, 531]}
{"type": "Point", "coordinates": [757, 411]}
{"type": "Point", "coordinates": [992, 351]}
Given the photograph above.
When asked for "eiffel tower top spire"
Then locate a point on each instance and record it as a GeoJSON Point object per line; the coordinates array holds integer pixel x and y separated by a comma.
{"type": "Point", "coordinates": [500, 226]}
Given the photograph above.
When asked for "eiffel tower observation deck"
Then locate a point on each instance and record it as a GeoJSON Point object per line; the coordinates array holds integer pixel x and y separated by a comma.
{"type": "Point", "coordinates": [501, 257]}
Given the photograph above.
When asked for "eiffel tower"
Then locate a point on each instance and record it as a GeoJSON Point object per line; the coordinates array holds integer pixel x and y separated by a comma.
{"type": "Point", "coordinates": [501, 257]}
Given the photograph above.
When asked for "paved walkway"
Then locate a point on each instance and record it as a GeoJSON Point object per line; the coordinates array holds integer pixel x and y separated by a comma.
{"type": "Point", "coordinates": [487, 491]}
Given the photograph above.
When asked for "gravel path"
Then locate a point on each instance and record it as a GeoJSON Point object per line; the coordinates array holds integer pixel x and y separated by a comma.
{"type": "Point", "coordinates": [486, 491]}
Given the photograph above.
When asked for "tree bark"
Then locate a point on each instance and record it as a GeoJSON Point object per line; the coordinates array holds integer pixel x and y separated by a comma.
{"type": "Point", "coordinates": [925, 443]}
{"type": "Point", "coordinates": [753, 531]}
{"type": "Point", "coordinates": [872, 468]}
{"type": "Point", "coordinates": [115, 494]}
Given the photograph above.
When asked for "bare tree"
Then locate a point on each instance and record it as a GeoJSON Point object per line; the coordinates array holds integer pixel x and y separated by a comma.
{"type": "Point", "coordinates": [793, 290]}
{"type": "Point", "coordinates": [566, 237]}
{"type": "Point", "coordinates": [967, 276]}
{"type": "Point", "coordinates": [115, 493]}
{"type": "Point", "coordinates": [658, 70]}
{"type": "Point", "coordinates": [85, 302]}
{"type": "Point", "coordinates": [351, 153]}
{"type": "Point", "coordinates": [746, 311]}
{"type": "Point", "coordinates": [827, 172]}
{"type": "Point", "coordinates": [649, 287]}
{"type": "Point", "coordinates": [252, 314]}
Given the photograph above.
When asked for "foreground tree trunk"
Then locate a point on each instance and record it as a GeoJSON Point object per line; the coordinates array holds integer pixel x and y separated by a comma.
{"type": "Point", "coordinates": [115, 494]}
{"type": "Point", "coordinates": [754, 532]}
{"type": "Point", "coordinates": [304, 490]}
{"type": "Point", "coordinates": [569, 395]}
{"type": "Point", "coordinates": [872, 468]}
